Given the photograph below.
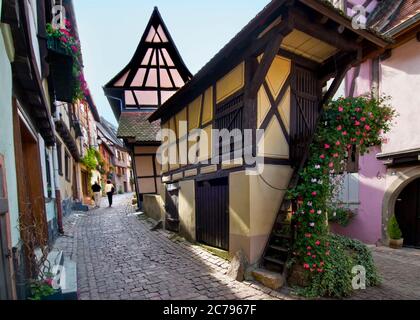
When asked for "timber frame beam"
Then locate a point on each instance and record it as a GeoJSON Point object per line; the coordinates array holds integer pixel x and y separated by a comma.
{"type": "Point", "coordinates": [270, 53]}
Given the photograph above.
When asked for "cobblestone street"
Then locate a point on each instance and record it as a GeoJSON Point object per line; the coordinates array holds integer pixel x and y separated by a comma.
{"type": "Point", "coordinates": [118, 257]}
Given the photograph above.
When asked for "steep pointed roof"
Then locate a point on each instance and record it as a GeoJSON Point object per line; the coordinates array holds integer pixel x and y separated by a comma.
{"type": "Point", "coordinates": [153, 75]}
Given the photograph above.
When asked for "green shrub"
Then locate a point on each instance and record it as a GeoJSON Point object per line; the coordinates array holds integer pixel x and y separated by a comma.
{"type": "Point", "coordinates": [341, 216]}
{"type": "Point", "coordinates": [336, 279]}
{"type": "Point", "coordinates": [394, 231]}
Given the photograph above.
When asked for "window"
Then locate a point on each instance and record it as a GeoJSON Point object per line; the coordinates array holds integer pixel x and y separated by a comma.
{"type": "Point", "coordinates": [67, 166]}
{"type": "Point", "coordinates": [47, 167]}
{"type": "Point", "coordinates": [60, 159]}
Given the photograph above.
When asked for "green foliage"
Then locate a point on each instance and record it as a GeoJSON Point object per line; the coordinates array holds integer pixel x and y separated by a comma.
{"type": "Point", "coordinates": [394, 231]}
{"type": "Point", "coordinates": [92, 161]}
{"type": "Point", "coordinates": [336, 280]}
{"type": "Point", "coordinates": [41, 289]}
{"type": "Point", "coordinates": [346, 122]}
{"type": "Point", "coordinates": [341, 216]}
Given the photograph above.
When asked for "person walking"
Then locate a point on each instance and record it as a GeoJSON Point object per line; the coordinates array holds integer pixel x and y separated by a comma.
{"type": "Point", "coordinates": [96, 189]}
{"type": "Point", "coordinates": [109, 189]}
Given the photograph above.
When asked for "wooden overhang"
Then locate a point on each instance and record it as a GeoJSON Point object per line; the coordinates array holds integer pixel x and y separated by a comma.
{"type": "Point", "coordinates": [26, 75]}
{"type": "Point", "coordinates": [70, 142]}
{"type": "Point", "coordinates": [271, 29]}
{"type": "Point", "coordinates": [402, 157]}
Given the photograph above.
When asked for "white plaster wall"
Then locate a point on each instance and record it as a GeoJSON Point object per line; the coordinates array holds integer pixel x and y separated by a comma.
{"type": "Point", "coordinates": [6, 134]}
{"type": "Point", "coordinates": [400, 79]}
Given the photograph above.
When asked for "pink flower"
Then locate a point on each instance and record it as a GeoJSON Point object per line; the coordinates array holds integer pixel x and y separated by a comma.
{"type": "Point", "coordinates": [340, 109]}
{"type": "Point", "coordinates": [313, 256]}
{"type": "Point", "coordinates": [306, 266]}
{"type": "Point", "coordinates": [308, 254]}
{"type": "Point", "coordinates": [357, 123]}
{"type": "Point", "coordinates": [63, 39]}
{"type": "Point", "coordinates": [327, 146]}
{"type": "Point", "coordinates": [322, 156]}
{"type": "Point", "coordinates": [331, 164]}
{"type": "Point", "coordinates": [344, 133]}
{"type": "Point", "coordinates": [309, 248]}
{"type": "Point", "coordinates": [319, 270]}
{"type": "Point", "coordinates": [318, 242]}
{"type": "Point", "coordinates": [357, 133]}
{"type": "Point", "coordinates": [367, 127]}
{"type": "Point", "coordinates": [321, 263]}
{"type": "Point", "coordinates": [339, 128]}
{"type": "Point", "coordinates": [358, 109]}
{"type": "Point", "coordinates": [314, 265]}
{"type": "Point", "coordinates": [363, 119]}
{"type": "Point", "coordinates": [335, 155]}
{"type": "Point", "coordinates": [338, 143]}
{"type": "Point", "coordinates": [75, 49]}
{"type": "Point", "coordinates": [312, 211]}
{"type": "Point", "coordinates": [308, 235]}
{"type": "Point", "coordinates": [314, 193]}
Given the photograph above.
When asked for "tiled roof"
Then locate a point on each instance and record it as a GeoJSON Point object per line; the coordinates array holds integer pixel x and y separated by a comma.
{"type": "Point", "coordinates": [135, 125]}
{"type": "Point", "coordinates": [392, 13]}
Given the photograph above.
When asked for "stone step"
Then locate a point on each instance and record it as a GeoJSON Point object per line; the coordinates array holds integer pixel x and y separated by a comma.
{"type": "Point", "coordinates": [78, 206]}
{"type": "Point", "coordinates": [68, 280]}
{"type": "Point", "coordinates": [269, 279]}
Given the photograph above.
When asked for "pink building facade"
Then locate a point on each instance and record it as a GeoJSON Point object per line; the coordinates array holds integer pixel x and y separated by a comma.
{"type": "Point", "coordinates": [387, 180]}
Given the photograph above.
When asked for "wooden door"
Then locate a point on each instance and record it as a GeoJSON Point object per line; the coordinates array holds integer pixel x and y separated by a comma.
{"type": "Point", "coordinates": [212, 212]}
{"type": "Point", "coordinates": [407, 212]}
{"type": "Point", "coordinates": [6, 291]}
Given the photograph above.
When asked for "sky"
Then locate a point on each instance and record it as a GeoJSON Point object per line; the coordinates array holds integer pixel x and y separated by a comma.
{"type": "Point", "coordinates": [110, 31]}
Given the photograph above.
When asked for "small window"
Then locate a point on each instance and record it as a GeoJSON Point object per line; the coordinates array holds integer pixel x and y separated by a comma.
{"type": "Point", "coordinates": [47, 168]}
{"type": "Point", "coordinates": [67, 166]}
{"type": "Point", "coordinates": [60, 158]}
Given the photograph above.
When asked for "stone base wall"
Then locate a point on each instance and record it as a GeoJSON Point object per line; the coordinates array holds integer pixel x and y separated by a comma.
{"type": "Point", "coordinates": [154, 207]}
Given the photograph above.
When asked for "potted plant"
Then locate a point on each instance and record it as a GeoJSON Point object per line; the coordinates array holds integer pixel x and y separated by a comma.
{"type": "Point", "coordinates": [394, 234]}
{"type": "Point", "coordinates": [43, 290]}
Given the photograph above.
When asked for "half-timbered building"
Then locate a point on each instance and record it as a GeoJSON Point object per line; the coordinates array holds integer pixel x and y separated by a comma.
{"type": "Point", "coordinates": [273, 76]}
{"type": "Point", "coordinates": [153, 75]}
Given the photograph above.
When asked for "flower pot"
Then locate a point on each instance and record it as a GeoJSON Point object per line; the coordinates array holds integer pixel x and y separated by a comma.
{"type": "Point", "coordinates": [396, 243]}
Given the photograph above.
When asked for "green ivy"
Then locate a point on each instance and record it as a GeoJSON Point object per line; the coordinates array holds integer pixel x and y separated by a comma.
{"type": "Point", "coordinates": [92, 161]}
{"type": "Point", "coordinates": [345, 123]}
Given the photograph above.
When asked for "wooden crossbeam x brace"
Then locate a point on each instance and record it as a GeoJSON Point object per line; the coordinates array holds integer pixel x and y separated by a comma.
{"type": "Point", "coordinates": [270, 53]}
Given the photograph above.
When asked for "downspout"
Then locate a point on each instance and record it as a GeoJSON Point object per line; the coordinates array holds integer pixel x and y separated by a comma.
{"type": "Point", "coordinates": [56, 181]}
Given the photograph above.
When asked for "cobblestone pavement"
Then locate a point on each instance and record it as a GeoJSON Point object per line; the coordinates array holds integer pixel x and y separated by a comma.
{"type": "Point", "coordinates": [118, 257]}
{"type": "Point", "coordinates": [400, 272]}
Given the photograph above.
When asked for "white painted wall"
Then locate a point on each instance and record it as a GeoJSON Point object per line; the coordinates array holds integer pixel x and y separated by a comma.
{"type": "Point", "coordinates": [400, 79]}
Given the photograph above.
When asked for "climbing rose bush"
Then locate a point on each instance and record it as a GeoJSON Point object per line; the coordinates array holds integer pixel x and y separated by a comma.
{"type": "Point", "coordinates": [345, 123]}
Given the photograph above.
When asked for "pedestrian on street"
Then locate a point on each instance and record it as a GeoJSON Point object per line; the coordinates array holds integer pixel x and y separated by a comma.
{"type": "Point", "coordinates": [109, 189]}
{"type": "Point", "coordinates": [96, 189]}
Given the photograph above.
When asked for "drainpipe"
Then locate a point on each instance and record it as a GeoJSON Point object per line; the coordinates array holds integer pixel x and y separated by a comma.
{"type": "Point", "coordinates": [56, 180]}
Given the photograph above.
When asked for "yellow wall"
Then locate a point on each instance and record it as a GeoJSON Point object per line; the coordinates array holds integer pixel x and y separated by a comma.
{"type": "Point", "coordinates": [253, 207]}
{"type": "Point", "coordinates": [230, 83]}
{"type": "Point", "coordinates": [275, 142]}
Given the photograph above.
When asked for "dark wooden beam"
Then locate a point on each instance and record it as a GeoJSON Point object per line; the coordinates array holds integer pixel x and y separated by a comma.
{"type": "Point", "coordinates": [334, 86]}
{"type": "Point", "coordinates": [322, 32]}
{"type": "Point", "coordinates": [331, 67]}
{"type": "Point", "coordinates": [324, 9]}
{"type": "Point", "coordinates": [265, 64]}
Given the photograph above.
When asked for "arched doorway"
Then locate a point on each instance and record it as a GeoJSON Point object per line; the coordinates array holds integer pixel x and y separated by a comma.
{"type": "Point", "coordinates": [407, 212]}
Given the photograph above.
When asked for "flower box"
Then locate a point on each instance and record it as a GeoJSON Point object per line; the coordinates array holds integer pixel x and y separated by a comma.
{"type": "Point", "coordinates": [61, 70]}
